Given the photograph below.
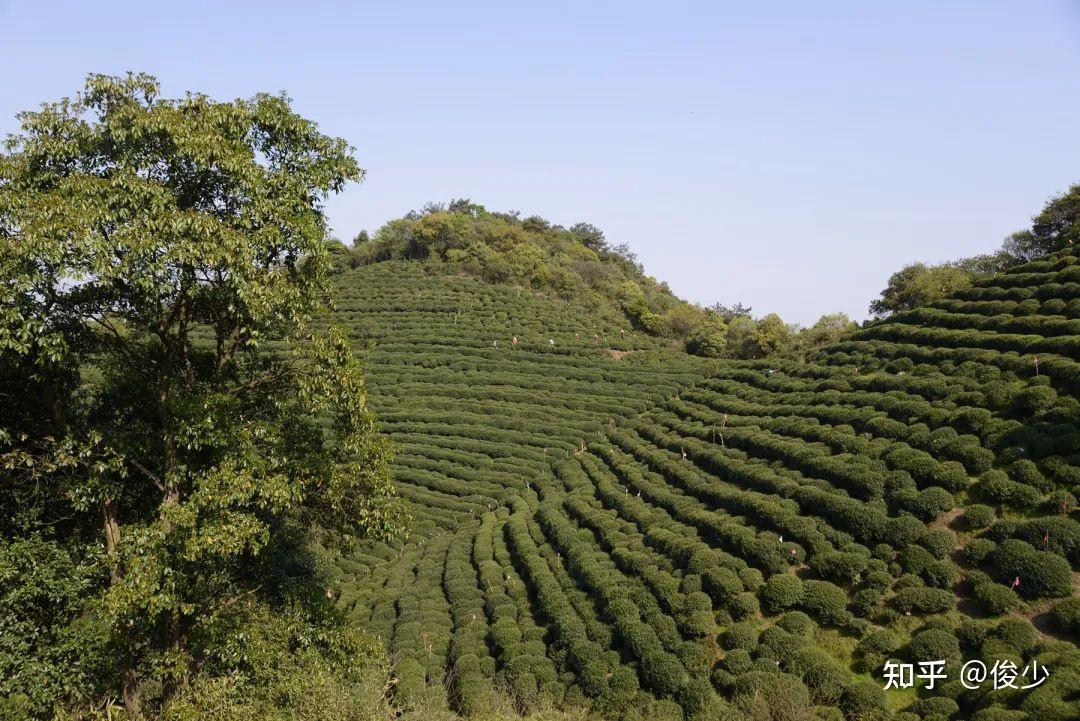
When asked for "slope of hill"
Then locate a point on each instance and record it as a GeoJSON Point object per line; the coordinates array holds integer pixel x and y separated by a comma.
{"type": "Point", "coordinates": [481, 385]}
{"type": "Point", "coordinates": [749, 537]}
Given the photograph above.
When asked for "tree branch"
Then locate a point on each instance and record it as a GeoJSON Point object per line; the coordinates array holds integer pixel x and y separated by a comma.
{"type": "Point", "coordinates": [149, 474]}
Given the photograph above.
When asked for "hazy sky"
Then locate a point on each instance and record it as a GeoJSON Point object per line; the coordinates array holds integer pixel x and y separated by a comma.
{"type": "Point", "coordinates": [789, 155]}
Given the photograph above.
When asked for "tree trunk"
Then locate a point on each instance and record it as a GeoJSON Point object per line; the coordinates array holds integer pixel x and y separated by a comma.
{"type": "Point", "coordinates": [129, 681]}
{"type": "Point", "coordinates": [172, 623]}
{"type": "Point", "coordinates": [129, 684]}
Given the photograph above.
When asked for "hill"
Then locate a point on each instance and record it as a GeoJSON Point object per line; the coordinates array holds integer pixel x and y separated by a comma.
{"type": "Point", "coordinates": [576, 263]}
{"type": "Point", "coordinates": [751, 537]}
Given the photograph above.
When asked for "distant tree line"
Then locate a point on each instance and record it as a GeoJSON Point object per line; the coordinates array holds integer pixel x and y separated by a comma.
{"type": "Point", "coordinates": [734, 333]}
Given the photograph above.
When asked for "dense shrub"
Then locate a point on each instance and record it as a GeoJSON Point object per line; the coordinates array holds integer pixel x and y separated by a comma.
{"type": "Point", "coordinates": [781, 591]}
{"type": "Point", "coordinates": [939, 541]}
{"type": "Point", "coordinates": [825, 601]}
{"type": "Point", "coordinates": [752, 578]}
{"type": "Point", "coordinates": [775, 696]}
{"type": "Point", "coordinates": [743, 606]}
{"type": "Point", "coordinates": [737, 661]}
{"type": "Point", "coordinates": [997, 487]}
{"type": "Point", "coordinates": [663, 673]}
{"type": "Point", "coordinates": [410, 685]}
{"type": "Point", "coordinates": [935, 707]}
{"type": "Point", "coordinates": [864, 601]}
{"type": "Point", "coordinates": [1034, 400]}
{"type": "Point", "coordinates": [864, 701]}
{"type": "Point", "coordinates": [999, 713]}
{"type": "Point", "coordinates": [978, 516]}
{"type": "Point", "coordinates": [722, 679]}
{"type": "Point", "coordinates": [970, 633]}
{"type": "Point", "coordinates": [1025, 471]}
{"type": "Point", "coordinates": [996, 599]}
{"type": "Point", "coordinates": [876, 648]}
{"type": "Point", "coordinates": [978, 549]}
{"type": "Point", "coordinates": [740, 635]}
{"type": "Point", "coordinates": [796, 623]}
{"type": "Point", "coordinates": [878, 580]}
{"type": "Point", "coordinates": [832, 713]}
{"type": "Point", "coordinates": [1058, 534]}
{"type": "Point", "coordinates": [708, 339]}
{"type": "Point", "coordinates": [928, 503]}
{"type": "Point", "coordinates": [825, 678]}
{"type": "Point", "coordinates": [933, 645]}
{"type": "Point", "coordinates": [1018, 633]}
{"type": "Point", "coordinates": [1056, 700]}
{"type": "Point", "coordinates": [922, 600]}
{"type": "Point", "coordinates": [1066, 615]}
{"type": "Point", "coordinates": [1041, 574]}
{"type": "Point", "coordinates": [838, 567]}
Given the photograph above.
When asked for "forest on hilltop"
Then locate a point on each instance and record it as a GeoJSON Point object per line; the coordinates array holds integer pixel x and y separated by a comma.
{"type": "Point", "coordinates": [483, 466]}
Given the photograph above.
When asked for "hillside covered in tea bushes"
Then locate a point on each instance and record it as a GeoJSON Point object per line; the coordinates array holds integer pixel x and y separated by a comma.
{"type": "Point", "coordinates": [605, 522]}
{"type": "Point", "coordinates": [483, 385]}
{"type": "Point", "coordinates": [483, 466]}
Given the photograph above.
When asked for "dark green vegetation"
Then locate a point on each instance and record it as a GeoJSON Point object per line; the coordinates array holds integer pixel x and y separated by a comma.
{"type": "Point", "coordinates": [574, 264]}
{"type": "Point", "coordinates": [653, 538]}
{"type": "Point", "coordinates": [161, 475]}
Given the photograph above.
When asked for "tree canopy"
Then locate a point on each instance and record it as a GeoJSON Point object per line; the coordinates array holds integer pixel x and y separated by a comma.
{"type": "Point", "coordinates": [918, 284]}
{"type": "Point", "coordinates": [161, 265]}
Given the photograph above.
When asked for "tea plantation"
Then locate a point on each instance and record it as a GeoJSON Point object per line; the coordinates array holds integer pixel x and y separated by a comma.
{"type": "Point", "coordinates": [607, 522]}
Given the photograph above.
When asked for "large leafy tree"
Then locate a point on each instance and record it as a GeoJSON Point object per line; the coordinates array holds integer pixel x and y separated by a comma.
{"type": "Point", "coordinates": [771, 337]}
{"type": "Point", "coordinates": [1058, 224]}
{"type": "Point", "coordinates": [162, 274]}
{"type": "Point", "coordinates": [918, 284]}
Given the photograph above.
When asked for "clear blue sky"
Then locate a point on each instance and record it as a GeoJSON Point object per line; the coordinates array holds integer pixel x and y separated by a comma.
{"type": "Point", "coordinates": [789, 155]}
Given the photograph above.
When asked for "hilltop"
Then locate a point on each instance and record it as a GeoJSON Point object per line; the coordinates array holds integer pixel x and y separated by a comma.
{"type": "Point", "coordinates": [580, 266]}
{"type": "Point", "coordinates": [576, 263]}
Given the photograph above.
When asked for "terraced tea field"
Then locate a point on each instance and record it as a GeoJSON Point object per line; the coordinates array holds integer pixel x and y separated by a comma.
{"type": "Point", "coordinates": [482, 386]}
{"type": "Point", "coordinates": [607, 522]}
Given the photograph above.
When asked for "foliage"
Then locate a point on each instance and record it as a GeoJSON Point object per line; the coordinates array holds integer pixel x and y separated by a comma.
{"type": "Point", "coordinates": [1066, 615]}
{"type": "Point", "coordinates": [1054, 228]}
{"type": "Point", "coordinates": [781, 591]}
{"type": "Point", "coordinates": [708, 338]}
{"type": "Point", "coordinates": [978, 515]}
{"type": "Point", "coordinates": [150, 248]}
{"type": "Point", "coordinates": [1041, 574]}
{"type": "Point", "coordinates": [47, 652]}
{"type": "Point", "coordinates": [918, 285]}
